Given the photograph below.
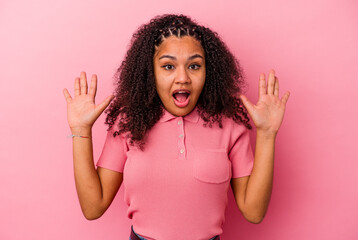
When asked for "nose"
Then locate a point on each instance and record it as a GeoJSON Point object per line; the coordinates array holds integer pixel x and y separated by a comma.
{"type": "Point", "coordinates": [182, 76]}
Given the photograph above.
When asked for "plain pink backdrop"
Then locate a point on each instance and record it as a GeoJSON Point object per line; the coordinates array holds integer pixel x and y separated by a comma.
{"type": "Point", "coordinates": [312, 45]}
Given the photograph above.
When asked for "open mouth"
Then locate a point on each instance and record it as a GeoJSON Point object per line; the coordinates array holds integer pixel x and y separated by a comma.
{"type": "Point", "coordinates": [181, 96]}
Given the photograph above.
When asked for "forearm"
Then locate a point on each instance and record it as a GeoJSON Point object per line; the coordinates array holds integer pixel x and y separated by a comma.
{"type": "Point", "coordinates": [259, 186]}
{"type": "Point", "coordinates": [87, 181]}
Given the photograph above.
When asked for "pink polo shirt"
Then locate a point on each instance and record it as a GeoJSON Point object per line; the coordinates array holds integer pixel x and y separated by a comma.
{"type": "Point", "coordinates": [177, 188]}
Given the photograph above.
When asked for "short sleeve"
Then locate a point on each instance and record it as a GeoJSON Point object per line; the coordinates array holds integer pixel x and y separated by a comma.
{"type": "Point", "coordinates": [241, 155]}
{"type": "Point", "coordinates": [114, 152]}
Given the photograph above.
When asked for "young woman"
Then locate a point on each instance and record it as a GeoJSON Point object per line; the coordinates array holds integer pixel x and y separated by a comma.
{"type": "Point", "coordinates": [177, 78]}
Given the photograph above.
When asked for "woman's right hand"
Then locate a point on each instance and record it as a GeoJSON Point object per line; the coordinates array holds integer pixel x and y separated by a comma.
{"type": "Point", "coordinates": [82, 112]}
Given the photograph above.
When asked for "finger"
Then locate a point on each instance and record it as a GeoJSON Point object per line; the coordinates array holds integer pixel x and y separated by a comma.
{"type": "Point", "coordinates": [248, 105]}
{"type": "Point", "coordinates": [284, 99]}
{"type": "Point", "coordinates": [271, 82]}
{"type": "Point", "coordinates": [77, 87]}
{"type": "Point", "coordinates": [93, 87]}
{"type": "Point", "coordinates": [276, 87]}
{"type": "Point", "coordinates": [67, 95]}
{"type": "Point", "coordinates": [262, 85]}
{"type": "Point", "coordinates": [83, 83]}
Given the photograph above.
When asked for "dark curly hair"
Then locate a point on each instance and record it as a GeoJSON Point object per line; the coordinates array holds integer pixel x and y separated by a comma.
{"type": "Point", "coordinates": [136, 99]}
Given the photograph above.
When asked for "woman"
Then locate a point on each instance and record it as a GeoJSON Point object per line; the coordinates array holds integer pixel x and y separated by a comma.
{"type": "Point", "coordinates": [177, 77]}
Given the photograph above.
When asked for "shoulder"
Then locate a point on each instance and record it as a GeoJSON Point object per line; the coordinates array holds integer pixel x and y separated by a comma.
{"type": "Point", "coordinates": [231, 124]}
{"type": "Point", "coordinates": [236, 130]}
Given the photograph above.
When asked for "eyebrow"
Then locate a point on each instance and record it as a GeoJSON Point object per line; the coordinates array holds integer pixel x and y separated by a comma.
{"type": "Point", "coordinates": [174, 58]}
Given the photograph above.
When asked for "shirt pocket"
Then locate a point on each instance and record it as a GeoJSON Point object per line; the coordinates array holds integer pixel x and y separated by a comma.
{"type": "Point", "coordinates": [211, 166]}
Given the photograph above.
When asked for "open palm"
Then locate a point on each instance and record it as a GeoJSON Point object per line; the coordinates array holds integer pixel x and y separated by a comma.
{"type": "Point", "coordinates": [82, 111]}
{"type": "Point", "coordinates": [268, 112]}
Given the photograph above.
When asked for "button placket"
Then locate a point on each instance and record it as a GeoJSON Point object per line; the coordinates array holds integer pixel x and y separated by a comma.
{"type": "Point", "coordinates": [181, 145]}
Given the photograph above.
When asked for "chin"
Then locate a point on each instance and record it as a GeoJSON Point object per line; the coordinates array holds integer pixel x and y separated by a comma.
{"type": "Point", "coordinates": [181, 112]}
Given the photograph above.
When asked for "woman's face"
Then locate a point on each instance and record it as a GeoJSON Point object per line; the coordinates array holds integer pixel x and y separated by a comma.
{"type": "Point", "coordinates": [179, 64]}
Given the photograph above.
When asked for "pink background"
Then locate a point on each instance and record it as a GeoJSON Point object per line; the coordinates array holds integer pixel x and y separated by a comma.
{"type": "Point", "coordinates": [312, 45]}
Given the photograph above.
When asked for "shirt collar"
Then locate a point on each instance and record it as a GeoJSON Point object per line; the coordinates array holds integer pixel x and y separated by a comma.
{"type": "Point", "coordinates": [193, 116]}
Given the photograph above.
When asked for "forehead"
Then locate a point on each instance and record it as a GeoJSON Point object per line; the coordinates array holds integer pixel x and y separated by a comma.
{"type": "Point", "coordinates": [175, 45]}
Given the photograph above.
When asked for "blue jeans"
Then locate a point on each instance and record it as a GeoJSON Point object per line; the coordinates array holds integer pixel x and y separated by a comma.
{"type": "Point", "coordinates": [142, 238]}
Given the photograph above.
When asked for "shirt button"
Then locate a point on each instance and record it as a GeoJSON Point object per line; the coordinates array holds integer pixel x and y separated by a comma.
{"type": "Point", "coordinates": [182, 150]}
{"type": "Point", "coordinates": [180, 122]}
{"type": "Point", "coordinates": [181, 135]}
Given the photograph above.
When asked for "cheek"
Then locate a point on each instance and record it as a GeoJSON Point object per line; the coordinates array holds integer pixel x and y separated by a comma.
{"type": "Point", "coordinates": [159, 82]}
{"type": "Point", "coordinates": [200, 85]}
{"type": "Point", "coordinates": [163, 86]}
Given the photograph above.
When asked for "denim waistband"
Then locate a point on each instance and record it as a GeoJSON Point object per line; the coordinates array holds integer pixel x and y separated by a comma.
{"type": "Point", "coordinates": [135, 236]}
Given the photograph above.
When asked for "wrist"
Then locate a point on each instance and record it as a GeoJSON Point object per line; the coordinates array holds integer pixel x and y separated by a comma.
{"type": "Point", "coordinates": [266, 133]}
{"type": "Point", "coordinates": [82, 131]}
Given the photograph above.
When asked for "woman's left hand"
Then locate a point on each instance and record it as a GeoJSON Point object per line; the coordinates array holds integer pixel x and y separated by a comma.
{"type": "Point", "coordinates": [268, 112]}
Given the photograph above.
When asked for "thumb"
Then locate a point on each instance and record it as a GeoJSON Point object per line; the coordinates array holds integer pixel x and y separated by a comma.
{"type": "Point", "coordinates": [103, 105]}
{"type": "Point", "coordinates": [248, 105]}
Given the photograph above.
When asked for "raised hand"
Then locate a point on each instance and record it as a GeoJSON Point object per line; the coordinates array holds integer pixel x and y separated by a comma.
{"type": "Point", "coordinates": [268, 112]}
{"type": "Point", "coordinates": [82, 112]}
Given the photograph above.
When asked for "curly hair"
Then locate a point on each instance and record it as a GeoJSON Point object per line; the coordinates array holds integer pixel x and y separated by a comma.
{"type": "Point", "coordinates": [136, 99]}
